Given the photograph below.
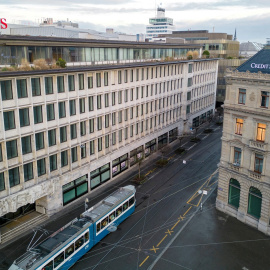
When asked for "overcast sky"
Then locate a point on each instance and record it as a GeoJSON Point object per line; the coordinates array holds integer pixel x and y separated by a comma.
{"type": "Point", "coordinates": [251, 18]}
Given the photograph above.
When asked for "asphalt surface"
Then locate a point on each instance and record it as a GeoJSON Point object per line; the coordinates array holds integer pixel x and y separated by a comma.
{"type": "Point", "coordinates": [168, 230]}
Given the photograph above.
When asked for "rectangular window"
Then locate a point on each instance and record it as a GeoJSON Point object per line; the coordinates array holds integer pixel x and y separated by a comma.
{"type": "Point", "coordinates": [62, 109]}
{"type": "Point", "coordinates": [126, 114]}
{"type": "Point", "coordinates": [113, 98]}
{"type": "Point", "coordinates": [35, 82]}
{"type": "Point", "coordinates": [119, 76]}
{"type": "Point", "coordinates": [91, 103]}
{"type": "Point", "coordinates": [74, 154]}
{"type": "Point", "coordinates": [83, 151]}
{"type": "Point", "coordinates": [125, 76]}
{"type": "Point", "coordinates": [83, 128]}
{"type": "Point", "coordinates": [137, 92]}
{"type": "Point", "coordinates": [39, 140]}
{"type": "Point", "coordinates": [131, 113]}
{"type": "Point", "coordinates": [189, 95]}
{"type": "Point", "coordinates": [258, 166]}
{"type": "Point", "coordinates": [49, 85]}
{"type": "Point", "coordinates": [261, 132]}
{"type": "Point", "coordinates": [106, 100]}
{"type": "Point", "coordinates": [92, 147]}
{"type": "Point", "coordinates": [9, 120]}
{"type": "Point", "coordinates": [142, 91]}
{"type": "Point", "coordinates": [190, 66]}
{"type": "Point", "coordinates": [38, 117]}
{"type": "Point", "coordinates": [53, 162]}
{"type": "Point", "coordinates": [107, 141]}
{"type": "Point", "coordinates": [90, 82]}
{"type": "Point", "coordinates": [63, 134]}
{"type": "Point", "coordinates": [189, 82]}
{"type": "Point", "coordinates": [99, 102]}
{"type": "Point", "coordinates": [99, 123]}
{"type": "Point", "coordinates": [106, 81]}
{"type": "Point", "coordinates": [91, 125]}
{"type": "Point", "coordinates": [131, 75]}
{"type": "Point", "coordinates": [242, 96]}
{"type": "Point", "coordinates": [137, 75]}
{"type": "Point", "coordinates": [131, 131]}
{"type": "Point", "coordinates": [73, 131]}
{"type": "Point", "coordinates": [99, 144]}
{"type": "Point", "coordinates": [142, 74]}
{"type": "Point", "coordinates": [119, 97]}
{"type": "Point", "coordinates": [120, 135]}
{"type": "Point", "coordinates": [2, 181]}
{"type": "Point", "coordinates": [1, 154]}
{"type": "Point", "coordinates": [26, 145]}
{"type": "Point", "coordinates": [28, 172]}
{"type": "Point", "coordinates": [6, 90]}
{"type": "Point", "coordinates": [239, 126]}
{"type": "Point", "coordinates": [22, 88]}
{"type": "Point", "coordinates": [265, 99]}
{"type": "Point", "coordinates": [126, 133]}
{"type": "Point", "coordinates": [113, 118]}
{"type": "Point", "coordinates": [81, 81]}
{"type": "Point", "coordinates": [12, 151]}
{"type": "Point", "coordinates": [41, 166]}
{"type": "Point", "coordinates": [188, 109]}
{"type": "Point", "coordinates": [82, 105]}
{"type": "Point", "coordinates": [114, 138]}
{"type": "Point", "coordinates": [50, 112]}
{"type": "Point", "coordinates": [107, 120]}
{"type": "Point", "coordinates": [64, 158]}
{"type": "Point", "coordinates": [52, 137]}
{"type": "Point", "coordinates": [131, 94]}
{"type": "Point", "coordinates": [72, 107]}
{"type": "Point", "coordinates": [24, 117]}
{"type": "Point", "coordinates": [14, 177]}
{"type": "Point", "coordinates": [71, 84]}
{"type": "Point", "coordinates": [98, 79]}
{"type": "Point", "coordinates": [120, 117]}
{"type": "Point", "coordinates": [60, 84]}
{"type": "Point", "coordinates": [237, 156]}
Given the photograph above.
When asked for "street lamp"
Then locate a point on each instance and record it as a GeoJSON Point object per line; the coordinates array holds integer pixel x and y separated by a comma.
{"type": "Point", "coordinates": [203, 192]}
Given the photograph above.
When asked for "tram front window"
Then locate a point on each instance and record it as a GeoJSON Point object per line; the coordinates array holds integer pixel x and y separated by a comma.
{"type": "Point", "coordinates": [59, 259]}
{"type": "Point", "coordinates": [69, 251]}
{"type": "Point", "coordinates": [49, 266]}
{"type": "Point", "coordinates": [131, 201]}
{"type": "Point", "coordinates": [119, 211]}
{"type": "Point", "coordinates": [79, 243]}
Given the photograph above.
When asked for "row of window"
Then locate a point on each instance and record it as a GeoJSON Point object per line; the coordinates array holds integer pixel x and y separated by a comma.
{"type": "Point", "coordinates": [258, 160]}
{"type": "Point", "coordinates": [254, 198]}
{"type": "Point", "coordinates": [264, 98]}
{"type": "Point", "coordinates": [24, 119]}
{"type": "Point", "coordinates": [100, 225]}
{"type": "Point", "coordinates": [260, 130]}
{"type": "Point", "coordinates": [60, 258]}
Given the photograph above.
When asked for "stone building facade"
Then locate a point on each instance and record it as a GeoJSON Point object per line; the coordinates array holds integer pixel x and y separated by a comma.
{"type": "Point", "coordinates": [244, 173]}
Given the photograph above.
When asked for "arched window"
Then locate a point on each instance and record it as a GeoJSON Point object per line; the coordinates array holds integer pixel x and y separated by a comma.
{"type": "Point", "coordinates": [254, 202]}
{"type": "Point", "coordinates": [234, 193]}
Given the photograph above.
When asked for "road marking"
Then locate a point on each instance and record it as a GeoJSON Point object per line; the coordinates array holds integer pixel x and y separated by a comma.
{"type": "Point", "coordinates": [187, 210]}
{"type": "Point", "coordinates": [175, 225]}
{"type": "Point", "coordinates": [169, 232]}
{"type": "Point", "coordinates": [162, 240]}
{"type": "Point", "coordinates": [181, 218]}
{"type": "Point", "coordinates": [154, 249]}
{"type": "Point", "coordinates": [144, 261]}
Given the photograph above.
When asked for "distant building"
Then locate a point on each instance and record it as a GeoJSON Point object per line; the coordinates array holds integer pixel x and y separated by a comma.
{"type": "Point", "coordinates": [159, 25]}
{"type": "Point", "coordinates": [244, 172]}
{"type": "Point", "coordinates": [248, 49]}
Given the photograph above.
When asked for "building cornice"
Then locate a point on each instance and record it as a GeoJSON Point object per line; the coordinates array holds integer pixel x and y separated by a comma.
{"type": "Point", "coordinates": [235, 75]}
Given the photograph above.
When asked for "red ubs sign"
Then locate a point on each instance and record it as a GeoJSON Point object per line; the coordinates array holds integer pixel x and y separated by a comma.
{"type": "Point", "coordinates": [3, 23]}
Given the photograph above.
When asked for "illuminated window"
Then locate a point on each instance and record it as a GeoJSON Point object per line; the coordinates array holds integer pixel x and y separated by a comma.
{"type": "Point", "coordinates": [239, 126]}
{"type": "Point", "coordinates": [261, 132]}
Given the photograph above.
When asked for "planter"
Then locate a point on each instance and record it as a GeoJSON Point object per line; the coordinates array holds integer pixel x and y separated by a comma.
{"type": "Point", "coordinates": [139, 180]}
{"type": "Point", "coordinates": [195, 139]}
{"type": "Point", "coordinates": [162, 162]}
{"type": "Point", "coordinates": [180, 151]}
{"type": "Point", "coordinates": [208, 130]}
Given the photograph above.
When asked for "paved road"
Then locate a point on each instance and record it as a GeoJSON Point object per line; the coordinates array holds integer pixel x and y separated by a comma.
{"type": "Point", "coordinates": [164, 205]}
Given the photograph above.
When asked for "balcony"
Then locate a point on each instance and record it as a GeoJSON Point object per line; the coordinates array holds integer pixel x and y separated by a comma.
{"type": "Point", "coordinates": [255, 176]}
{"type": "Point", "coordinates": [235, 167]}
{"type": "Point", "coordinates": [258, 145]}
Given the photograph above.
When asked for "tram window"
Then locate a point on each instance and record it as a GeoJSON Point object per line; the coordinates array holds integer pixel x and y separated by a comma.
{"type": "Point", "coordinates": [104, 222]}
{"type": "Point", "coordinates": [131, 201]}
{"type": "Point", "coordinates": [86, 236]}
{"type": "Point", "coordinates": [98, 227]}
{"type": "Point", "coordinates": [111, 217]}
{"type": "Point", "coordinates": [49, 266]}
{"type": "Point", "coordinates": [69, 250]}
{"type": "Point", "coordinates": [119, 211]}
{"type": "Point", "coordinates": [79, 243]}
{"type": "Point", "coordinates": [125, 206]}
{"type": "Point", "coordinates": [59, 259]}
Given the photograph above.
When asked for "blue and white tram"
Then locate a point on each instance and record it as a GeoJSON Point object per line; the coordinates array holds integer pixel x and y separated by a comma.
{"type": "Point", "coordinates": [63, 248]}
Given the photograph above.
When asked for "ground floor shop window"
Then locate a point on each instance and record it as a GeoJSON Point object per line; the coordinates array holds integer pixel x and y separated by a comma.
{"type": "Point", "coordinates": [162, 140]}
{"type": "Point", "coordinates": [150, 147]}
{"type": "Point", "coordinates": [119, 165]}
{"type": "Point", "coordinates": [75, 189]}
{"type": "Point", "coordinates": [100, 175]}
{"type": "Point", "coordinates": [196, 122]}
{"type": "Point", "coordinates": [234, 193]}
{"type": "Point", "coordinates": [136, 155]}
{"type": "Point", "coordinates": [254, 202]}
{"type": "Point", "coordinates": [173, 135]}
